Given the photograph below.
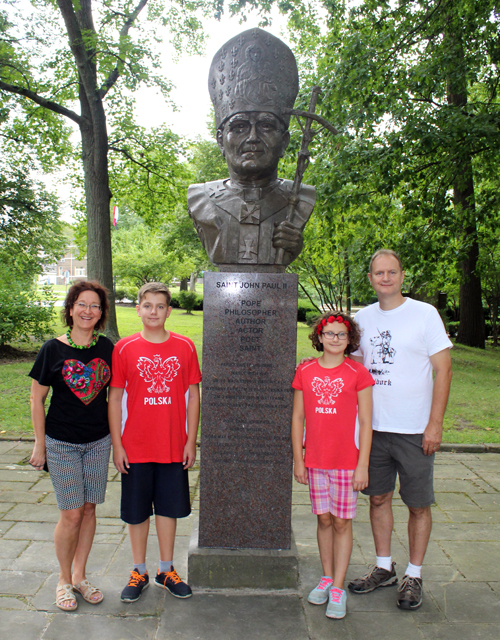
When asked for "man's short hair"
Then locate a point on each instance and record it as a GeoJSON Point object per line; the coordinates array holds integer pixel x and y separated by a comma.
{"type": "Point", "coordinates": [154, 287]}
{"type": "Point", "coordinates": [385, 252]}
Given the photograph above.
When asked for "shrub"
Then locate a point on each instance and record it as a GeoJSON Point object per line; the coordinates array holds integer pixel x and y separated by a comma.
{"type": "Point", "coordinates": [175, 302]}
{"type": "Point", "coordinates": [187, 300]}
{"type": "Point", "coordinates": [305, 307]}
{"type": "Point", "coordinates": [26, 312]}
{"type": "Point", "coordinates": [453, 328]}
{"type": "Point", "coordinates": [311, 317]}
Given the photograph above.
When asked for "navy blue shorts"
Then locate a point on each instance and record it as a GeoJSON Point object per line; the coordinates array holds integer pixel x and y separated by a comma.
{"type": "Point", "coordinates": [164, 486]}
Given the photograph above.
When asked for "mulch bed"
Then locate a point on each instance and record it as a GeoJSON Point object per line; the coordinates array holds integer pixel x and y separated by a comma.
{"type": "Point", "coordinates": [9, 354]}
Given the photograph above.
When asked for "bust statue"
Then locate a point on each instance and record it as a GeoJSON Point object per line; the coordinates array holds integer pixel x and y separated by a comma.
{"type": "Point", "coordinates": [243, 221]}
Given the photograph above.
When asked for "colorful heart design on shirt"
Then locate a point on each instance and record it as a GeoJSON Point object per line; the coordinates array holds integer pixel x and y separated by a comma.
{"type": "Point", "coordinates": [86, 381]}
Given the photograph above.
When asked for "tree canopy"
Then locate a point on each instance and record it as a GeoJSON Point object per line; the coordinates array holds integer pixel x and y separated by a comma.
{"type": "Point", "coordinates": [413, 87]}
{"type": "Point", "coordinates": [61, 62]}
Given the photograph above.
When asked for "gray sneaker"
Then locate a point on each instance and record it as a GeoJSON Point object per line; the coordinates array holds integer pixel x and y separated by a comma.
{"type": "Point", "coordinates": [410, 593]}
{"type": "Point", "coordinates": [319, 595]}
{"type": "Point", "coordinates": [337, 604]}
{"type": "Point", "coordinates": [376, 577]}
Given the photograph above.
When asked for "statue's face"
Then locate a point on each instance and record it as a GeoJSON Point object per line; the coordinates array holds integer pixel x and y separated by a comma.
{"type": "Point", "coordinates": [252, 144]}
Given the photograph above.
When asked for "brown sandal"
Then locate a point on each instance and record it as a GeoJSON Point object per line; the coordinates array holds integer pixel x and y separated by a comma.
{"type": "Point", "coordinates": [64, 593]}
{"type": "Point", "coordinates": [88, 591]}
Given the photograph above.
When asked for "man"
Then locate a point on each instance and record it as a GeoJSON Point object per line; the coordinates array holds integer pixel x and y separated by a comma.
{"type": "Point", "coordinates": [403, 342]}
{"type": "Point", "coordinates": [244, 220]}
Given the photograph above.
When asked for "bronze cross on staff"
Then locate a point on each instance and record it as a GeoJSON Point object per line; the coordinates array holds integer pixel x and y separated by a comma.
{"type": "Point", "coordinates": [304, 156]}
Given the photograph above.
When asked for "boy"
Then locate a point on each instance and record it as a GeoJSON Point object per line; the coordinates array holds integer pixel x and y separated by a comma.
{"type": "Point", "coordinates": [154, 392]}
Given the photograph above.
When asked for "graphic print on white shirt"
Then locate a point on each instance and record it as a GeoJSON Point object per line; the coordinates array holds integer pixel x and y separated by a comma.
{"type": "Point", "coordinates": [382, 352]}
{"type": "Point", "coordinates": [327, 389]}
{"type": "Point", "coordinates": [158, 372]}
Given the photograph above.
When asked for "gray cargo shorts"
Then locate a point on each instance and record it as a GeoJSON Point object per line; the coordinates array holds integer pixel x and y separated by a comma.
{"type": "Point", "coordinates": [401, 454]}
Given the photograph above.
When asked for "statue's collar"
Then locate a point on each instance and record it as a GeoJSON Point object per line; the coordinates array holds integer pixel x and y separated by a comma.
{"type": "Point", "coordinates": [229, 196]}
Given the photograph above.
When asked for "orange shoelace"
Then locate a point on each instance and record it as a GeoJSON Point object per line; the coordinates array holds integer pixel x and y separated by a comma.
{"type": "Point", "coordinates": [135, 578]}
{"type": "Point", "coordinates": [174, 576]}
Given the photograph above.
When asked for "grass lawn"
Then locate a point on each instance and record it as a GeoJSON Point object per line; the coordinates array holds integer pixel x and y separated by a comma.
{"type": "Point", "coordinates": [473, 414]}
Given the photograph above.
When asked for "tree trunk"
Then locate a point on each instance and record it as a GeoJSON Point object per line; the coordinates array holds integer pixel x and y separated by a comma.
{"type": "Point", "coordinates": [92, 122]}
{"type": "Point", "coordinates": [192, 281]}
{"type": "Point", "coordinates": [97, 198]}
{"type": "Point", "coordinates": [494, 316]}
{"type": "Point", "coordinates": [347, 277]}
{"type": "Point", "coordinates": [183, 286]}
{"type": "Point", "coordinates": [471, 328]}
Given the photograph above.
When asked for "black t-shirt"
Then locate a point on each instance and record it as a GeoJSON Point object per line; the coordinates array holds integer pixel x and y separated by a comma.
{"type": "Point", "coordinates": [78, 411]}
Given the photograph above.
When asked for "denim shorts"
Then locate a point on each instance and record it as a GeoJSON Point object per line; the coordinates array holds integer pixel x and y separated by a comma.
{"type": "Point", "coordinates": [401, 454]}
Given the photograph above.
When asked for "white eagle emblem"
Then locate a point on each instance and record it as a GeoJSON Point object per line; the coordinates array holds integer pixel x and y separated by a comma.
{"type": "Point", "coordinates": [158, 372]}
{"type": "Point", "coordinates": [327, 389]}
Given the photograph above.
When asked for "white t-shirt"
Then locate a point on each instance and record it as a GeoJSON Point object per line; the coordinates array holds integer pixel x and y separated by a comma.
{"type": "Point", "coordinates": [396, 346]}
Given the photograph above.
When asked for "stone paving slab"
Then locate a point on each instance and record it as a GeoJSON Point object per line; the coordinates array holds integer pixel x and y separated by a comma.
{"type": "Point", "coordinates": [249, 617]}
{"type": "Point", "coordinates": [18, 475]}
{"type": "Point", "coordinates": [41, 556]}
{"type": "Point", "coordinates": [460, 631]}
{"type": "Point", "coordinates": [16, 495]}
{"type": "Point", "coordinates": [480, 561]}
{"type": "Point", "coordinates": [7, 485]}
{"type": "Point", "coordinates": [24, 625]}
{"type": "Point", "coordinates": [11, 602]}
{"type": "Point", "coordinates": [461, 571]}
{"type": "Point", "coordinates": [83, 627]}
{"type": "Point", "coordinates": [12, 548]}
{"type": "Point", "coordinates": [467, 602]}
{"type": "Point", "coordinates": [379, 626]}
{"type": "Point", "coordinates": [21, 583]}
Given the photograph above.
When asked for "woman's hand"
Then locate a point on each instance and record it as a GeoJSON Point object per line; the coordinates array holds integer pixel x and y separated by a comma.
{"type": "Point", "coordinates": [37, 459]}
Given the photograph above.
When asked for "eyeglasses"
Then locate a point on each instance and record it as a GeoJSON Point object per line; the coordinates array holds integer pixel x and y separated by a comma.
{"type": "Point", "coordinates": [81, 306]}
{"type": "Point", "coordinates": [330, 335]}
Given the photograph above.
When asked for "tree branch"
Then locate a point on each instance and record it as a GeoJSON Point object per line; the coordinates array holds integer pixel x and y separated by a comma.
{"type": "Point", "coordinates": [86, 70]}
{"type": "Point", "coordinates": [115, 73]}
{"type": "Point", "coordinates": [43, 102]}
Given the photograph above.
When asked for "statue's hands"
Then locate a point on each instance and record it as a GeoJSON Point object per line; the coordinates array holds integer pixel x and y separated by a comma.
{"type": "Point", "coordinates": [287, 237]}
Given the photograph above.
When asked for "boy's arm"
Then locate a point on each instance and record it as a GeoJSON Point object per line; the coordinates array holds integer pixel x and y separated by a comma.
{"type": "Point", "coordinates": [115, 428]}
{"type": "Point", "coordinates": [299, 469]}
{"type": "Point", "coordinates": [360, 477]}
{"type": "Point", "coordinates": [193, 418]}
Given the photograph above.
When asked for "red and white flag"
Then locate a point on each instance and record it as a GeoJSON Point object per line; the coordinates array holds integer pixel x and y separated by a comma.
{"type": "Point", "coordinates": [115, 215]}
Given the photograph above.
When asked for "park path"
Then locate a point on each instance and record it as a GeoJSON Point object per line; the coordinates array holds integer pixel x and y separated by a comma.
{"type": "Point", "coordinates": [461, 573]}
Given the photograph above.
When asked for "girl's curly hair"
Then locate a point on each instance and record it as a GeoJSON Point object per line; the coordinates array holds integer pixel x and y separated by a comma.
{"type": "Point", "coordinates": [331, 316]}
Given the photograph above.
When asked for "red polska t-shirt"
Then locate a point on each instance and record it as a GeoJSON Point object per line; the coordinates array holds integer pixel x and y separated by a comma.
{"type": "Point", "coordinates": [331, 409]}
{"type": "Point", "coordinates": [155, 378]}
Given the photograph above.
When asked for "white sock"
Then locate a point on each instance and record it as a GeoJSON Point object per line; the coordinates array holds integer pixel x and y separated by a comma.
{"type": "Point", "coordinates": [413, 571]}
{"type": "Point", "coordinates": [384, 562]}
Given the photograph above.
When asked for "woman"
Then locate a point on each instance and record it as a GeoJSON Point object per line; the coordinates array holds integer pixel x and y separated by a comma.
{"type": "Point", "coordinates": [74, 437]}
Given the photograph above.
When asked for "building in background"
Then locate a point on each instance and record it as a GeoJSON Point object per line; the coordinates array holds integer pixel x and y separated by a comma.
{"type": "Point", "coordinates": [66, 270]}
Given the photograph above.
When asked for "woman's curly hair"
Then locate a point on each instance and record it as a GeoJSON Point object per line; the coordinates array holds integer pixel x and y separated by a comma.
{"type": "Point", "coordinates": [331, 316]}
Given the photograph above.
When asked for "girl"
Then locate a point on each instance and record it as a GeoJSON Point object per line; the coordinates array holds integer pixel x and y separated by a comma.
{"type": "Point", "coordinates": [329, 392]}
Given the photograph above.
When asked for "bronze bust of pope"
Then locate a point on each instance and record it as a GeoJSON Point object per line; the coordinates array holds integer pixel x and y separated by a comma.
{"type": "Point", "coordinates": [242, 220]}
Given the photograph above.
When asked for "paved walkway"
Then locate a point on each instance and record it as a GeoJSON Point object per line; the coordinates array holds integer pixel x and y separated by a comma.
{"type": "Point", "coordinates": [461, 575]}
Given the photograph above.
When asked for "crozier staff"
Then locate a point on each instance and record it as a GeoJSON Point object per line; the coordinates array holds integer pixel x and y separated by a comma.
{"type": "Point", "coordinates": [73, 438]}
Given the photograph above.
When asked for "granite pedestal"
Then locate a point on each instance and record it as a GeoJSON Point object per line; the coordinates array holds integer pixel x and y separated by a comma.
{"type": "Point", "coordinates": [249, 356]}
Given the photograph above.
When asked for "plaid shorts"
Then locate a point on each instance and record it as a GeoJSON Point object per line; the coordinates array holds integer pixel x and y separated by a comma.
{"type": "Point", "coordinates": [331, 491]}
